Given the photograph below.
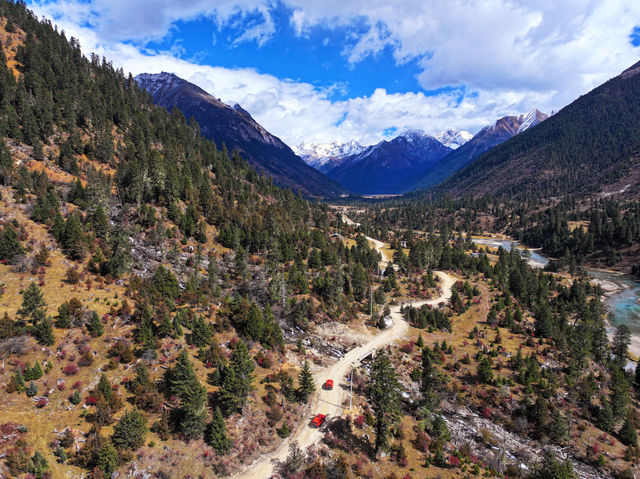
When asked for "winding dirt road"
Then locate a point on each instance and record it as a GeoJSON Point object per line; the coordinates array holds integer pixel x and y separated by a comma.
{"type": "Point", "coordinates": [331, 402]}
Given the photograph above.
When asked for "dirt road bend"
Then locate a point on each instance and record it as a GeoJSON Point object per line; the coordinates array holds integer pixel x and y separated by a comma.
{"type": "Point", "coordinates": [330, 402]}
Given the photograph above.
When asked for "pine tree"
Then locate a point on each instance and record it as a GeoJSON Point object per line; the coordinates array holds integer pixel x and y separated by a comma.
{"type": "Point", "coordinates": [628, 434]}
{"type": "Point", "coordinates": [130, 432]}
{"type": "Point", "coordinates": [165, 329]}
{"type": "Point", "coordinates": [32, 301]}
{"type": "Point", "coordinates": [166, 283]}
{"type": "Point", "coordinates": [620, 343]}
{"type": "Point", "coordinates": [10, 246]}
{"type": "Point", "coordinates": [212, 273]}
{"type": "Point", "coordinates": [75, 398]}
{"type": "Point", "coordinates": [38, 465]}
{"type": "Point", "coordinates": [181, 374]}
{"type": "Point", "coordinates": [238, 377]}
{"type": "Point", "coordinates": [177, 328]}
{"type": "Point", "coordinates": [193, 413]}
{"type": "Point", "coordinates": [145, 334]}
{"type": "Point", "coordinates": [28, 373]}
{"type": "Point", "coordinates": [558, 430]}
{"type": "Point", "coordinates": [32, 390]}
{"type": "Point", "coordinates": [243, 365]}
{"type": "Point", "coordinates": [6, 162]}
{"type": "Point", "coordinates": [104, 387]}
{"type": "Point", "coordinates": [619, 393]}
{"type": "Point", "coordinates": [18, 380]}
{"type": "Point", "coordinates": [43, 331]}
{"type": "Point", "coordinates": [544, 320]}
{"type": "Point", "coordinates": [420, 341]}
{"type": "Point", "coordinates": [36, 370]}
{"type": "Point", "coordinates": [272, 335]}
{"type": "Point", "coordinates": [73, 239]}
{"type": "Point", "coordinates": [485, 370]}
{"type": "Point", "coordinates": [240, 263]}
{"type": "Point", "coordinates": [107, 459]}
{"type": "Point", "coordinates": [201, 332]}
{"type": "Point", "coordinates": [94, 326]}
{"type": "Point", "coordinates": [228, 397]}
{"type": "Point", "coordinates": [8, 327]}
{"type": "Point", "coordinates": [383, 393]}
{"type": "Point", "coordinates": [63, 320]}
{"type": "Point", "coordinates": [216, 433]}
{"type": "Point", "coordinates": [605, 416]}
{"type": "Point", "coordinates": [430, 380]}
{"type": "Point", "coordinates": [305, 381]}
{"type": "Point", "coordinates": [550, 468]}
{"type": "Point", "coordinates": [142, 382]}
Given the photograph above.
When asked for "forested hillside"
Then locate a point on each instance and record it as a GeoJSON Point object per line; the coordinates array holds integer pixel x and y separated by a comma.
{"type": "Point", "coordinates": [591, 143]}
{"type": "Point", "coordinates": [487, 138]}
{"type": "Point", "coordinates": [235, 129]}
{"type": "Point", "coordinates": [136, 253]}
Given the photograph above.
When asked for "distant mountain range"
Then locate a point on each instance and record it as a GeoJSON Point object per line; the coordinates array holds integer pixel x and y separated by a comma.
{"type": "Point", "coordinates": [387, 167]}
{"type": "Point", "coordinates": [235, 128]}
{"type": "Point", "coordinates": [487, 138]}
{"type": "Point", "coordinates": [413, 160]}
{"type": "Point", "coordinates": [590, 146]}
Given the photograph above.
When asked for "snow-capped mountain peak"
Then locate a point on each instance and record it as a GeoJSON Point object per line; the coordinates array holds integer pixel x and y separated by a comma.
{"type": "Point", "coordinates": [453, 138]}
{"type": "Point", "coordinates": [153, 82]}
{"type": "Point", "coordinates": [324, 156]}
{"type": "Point", "coordinates": [532, 118]}
{"type": "Point", "coordinates": [414, 134]}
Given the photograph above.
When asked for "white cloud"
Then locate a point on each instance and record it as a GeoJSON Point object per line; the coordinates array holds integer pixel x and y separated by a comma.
{"type": "Point", "coordinates": [507, 56]}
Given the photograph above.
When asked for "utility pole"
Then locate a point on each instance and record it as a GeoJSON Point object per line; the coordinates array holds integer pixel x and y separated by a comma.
{"type": "Point", "coordinates": [351, 388]}
{"type": "Point", "coordinates": [284, 292]}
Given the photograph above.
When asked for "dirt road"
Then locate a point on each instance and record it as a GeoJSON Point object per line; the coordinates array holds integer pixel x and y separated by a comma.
{"type": "Point", "coordinates": [331, 402]}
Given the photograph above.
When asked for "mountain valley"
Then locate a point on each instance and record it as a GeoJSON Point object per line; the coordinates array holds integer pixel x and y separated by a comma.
{"type": "Point", "coordinates": [183, 295]}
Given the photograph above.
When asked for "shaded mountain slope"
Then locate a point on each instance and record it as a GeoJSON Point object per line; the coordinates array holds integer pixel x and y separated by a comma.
{"type": "Point", "coordinates": [387, 168]}
{"type": "Point", "coordinates": [592, 142]}
{"type": "Point", "coordinates": [490, 136]}
{"type": "Point", "coordinates": [235, 128]}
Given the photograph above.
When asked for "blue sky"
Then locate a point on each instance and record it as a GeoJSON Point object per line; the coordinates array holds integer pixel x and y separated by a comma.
{"type": "Point", "coordinates": [318, 57]}
{"type": "Point", "coordinates": [366, 70]}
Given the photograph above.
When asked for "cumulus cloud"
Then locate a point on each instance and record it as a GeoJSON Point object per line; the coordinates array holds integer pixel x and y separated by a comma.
{"type": "Point", "coordinates": [500, 56]}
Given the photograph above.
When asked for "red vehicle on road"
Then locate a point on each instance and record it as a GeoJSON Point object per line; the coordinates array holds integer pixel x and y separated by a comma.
{"type": "Point", "coordinates": [329, 384]}
{"type": "Point", "coordinates": [318, 420]}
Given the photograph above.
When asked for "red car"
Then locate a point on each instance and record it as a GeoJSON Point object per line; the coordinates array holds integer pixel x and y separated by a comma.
{"type": "Point", "coordinates": [328, 384]}
{"type": "Point", "coordinates": [318, 420]}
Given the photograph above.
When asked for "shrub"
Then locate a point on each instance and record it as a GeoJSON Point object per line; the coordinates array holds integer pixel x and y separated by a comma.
{"type": "Point", "coordinates": [70, 369]}
{"type": "Point", "coordinates": [284, 431]}
{"type": "Point", "coordinates": [72, 276]}
{"type": "Point", "coordinates": [407, 348]}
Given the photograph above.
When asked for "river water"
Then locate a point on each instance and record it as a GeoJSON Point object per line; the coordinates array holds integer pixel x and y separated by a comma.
{"type": "Point", "coordinates": [623, 293]}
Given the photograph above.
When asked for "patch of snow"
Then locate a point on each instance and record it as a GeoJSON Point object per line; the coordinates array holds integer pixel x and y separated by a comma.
{"type": "Point", "coordinates": [319, 154]}
{"type": "Point", "coordinates": [531, 119]}
{"type": "Point", "coordinates": [453, 138]}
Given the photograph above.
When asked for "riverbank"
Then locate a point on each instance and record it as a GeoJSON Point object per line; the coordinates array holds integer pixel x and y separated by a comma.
{"type": "Point", "coordinates": [621, 294]}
